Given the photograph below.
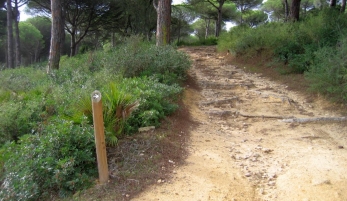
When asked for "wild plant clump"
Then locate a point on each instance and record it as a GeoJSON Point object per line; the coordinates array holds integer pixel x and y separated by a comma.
{"type": "Point", "coordinates": [46, 130]}
{"type": "Point", "coordinates": [60, 159]}
{"type": "Point", "coordinates": [314, 46]}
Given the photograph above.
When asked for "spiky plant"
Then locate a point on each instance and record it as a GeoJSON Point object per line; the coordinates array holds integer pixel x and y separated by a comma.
{"type": "Point", "coordinates": [117, 108]}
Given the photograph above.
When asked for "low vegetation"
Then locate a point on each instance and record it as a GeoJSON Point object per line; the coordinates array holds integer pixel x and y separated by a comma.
{"type": "Point", "coordinates": [314, 46]}
{"type": "Point", "coordinates": [46, 121]}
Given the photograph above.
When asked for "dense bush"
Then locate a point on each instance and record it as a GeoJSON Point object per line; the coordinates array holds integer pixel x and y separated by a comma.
{"type": "Point", "coordinates": [58, 159]}
{"type": "Point", "coordinates": [211, 40]}
{"type": "Point", "coordinates": [46, 119]}
{"type": "Point", "coordinates": [156, 100]}
{"type": "Point", "coordinates": [293, 44]}
{"type": "Point", "coordinates": [328, 74]}
{"type": "Point", "coordinates": [315, 45]}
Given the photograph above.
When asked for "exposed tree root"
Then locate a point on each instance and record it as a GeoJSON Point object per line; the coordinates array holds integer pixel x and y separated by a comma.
{"type": "Point", "coordinates": [220, 102]}
{"type": "Point", "coordinates": [264, 116]}
{"type": "Point", "coordinates": [317, 119]}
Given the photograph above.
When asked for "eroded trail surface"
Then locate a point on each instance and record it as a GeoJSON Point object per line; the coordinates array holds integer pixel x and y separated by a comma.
{"type": "Point", "coordinates": [243, 150]}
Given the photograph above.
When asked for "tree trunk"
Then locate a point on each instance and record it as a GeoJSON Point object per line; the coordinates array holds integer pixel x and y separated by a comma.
{"type": "Point", "coordinates": [113, 43]}
{"type": "Point", "coordinates": [16, 39]}
{"type": "Point", "coordinates": [343, 6]}
{"type": "Point", "coordinates": [332, 3]}
{"type": "Point", "coordinates": [286, 10]}
{"type": "Point", "coordinates": [73, 44]}
{"type": "Point", "coordinates": [9, 35]}
{"type": "Point", "coordinates": [207, 27]}
{"type": "Point", "coordinates": [295, 10]}
{"type": "Point", "coordinates": [56, 35]}
{"type": "Point", "coordinates": [163, 22]}
{"type": "Point", "coordinates": [179, 32]}
{"type": "Point", "coordinates": [219, 18]}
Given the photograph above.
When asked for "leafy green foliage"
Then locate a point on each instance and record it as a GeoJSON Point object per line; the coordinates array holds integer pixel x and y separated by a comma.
{"type": "Point", "coordinates": [328, 75]}
{"type": "Point", "coordinates": [293, 44]}
{"type": "Point", "coordinates": [60, 158]}
{"type": "Point", "coordinates": [156, 100]}
{"type": "Point", "coordinates": [138, 58]}
{"type": "Point", "coordinates": [31, 41]}
{"type": "Point", "coordinates": [198, 42]}
{"type": "Point", "coordinates": [314, 46]}
{"type": "Point", "coordinates": [46, 120]}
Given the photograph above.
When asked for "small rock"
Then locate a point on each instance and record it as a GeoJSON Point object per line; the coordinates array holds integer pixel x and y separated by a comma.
{"type": "Point", "coordinates": [144, 129]}
{"type": "Point", "coordinates": [159, 181]}
{"type": "Point", "coordinates": [321, 182]}
{"type": "Point", "coordinates": [272, 175]}
{"type": "Point", "coordinates": [170, 161]}
{"type": "Point", "coordinates": [127, 195]}
{"type": "Point", "coordinates": [254, 159]}
{"type": "Point", "coordinates": [271, 183]}
{"type": "Point", "coordinates": [261, 191]}
{"type": "Point", "coordinates": [265, 150]}
{"type": "Point", "coordinates": [248, 174]}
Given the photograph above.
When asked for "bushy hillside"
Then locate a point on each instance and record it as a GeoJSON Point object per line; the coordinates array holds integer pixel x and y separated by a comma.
{"type": "Point", "coordinates": [46, 120]}
{"type": "Point", "coordinates": [314, 46]}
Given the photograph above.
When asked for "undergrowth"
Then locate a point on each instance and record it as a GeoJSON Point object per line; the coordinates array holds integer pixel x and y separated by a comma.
{"type": "Point", "coordinates": [314, 46]}
{"type": "Point", "coordinates": [45, 120]}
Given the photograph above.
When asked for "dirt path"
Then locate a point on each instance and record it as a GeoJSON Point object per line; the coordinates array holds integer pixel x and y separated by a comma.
{"type": "Point", "coordinates": [242, 150]}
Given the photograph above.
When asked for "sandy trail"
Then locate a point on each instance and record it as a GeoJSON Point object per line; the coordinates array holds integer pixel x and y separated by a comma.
{"type": "Point", "coordinates": [242, 150]}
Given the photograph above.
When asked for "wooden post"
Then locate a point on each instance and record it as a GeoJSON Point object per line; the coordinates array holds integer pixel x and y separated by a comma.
{"type": "Point", "coordinates": [99, 137]}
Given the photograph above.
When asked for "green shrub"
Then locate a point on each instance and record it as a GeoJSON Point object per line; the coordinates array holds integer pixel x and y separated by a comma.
{"type": "Point", "coordinates": [46, 116]}
{"type": "Point", "coordinates": [18, 118]}
{"type": "Point", "coordinates": [117, 108]}
{"type": "Point", "coordinates": [150, 60]}
{"type": "Point", "coordinates": [59, 159]}
{"type": "Point", "coordinates": [151, 99]}
{"type": "Point", "coordinates": [211, 40]}
{"type": "Point", "coordinates": [156, 100]}
{"type": "Point", "coordinates": [328, 75]}
{"type": "Point", "coordinates": [293, 44]}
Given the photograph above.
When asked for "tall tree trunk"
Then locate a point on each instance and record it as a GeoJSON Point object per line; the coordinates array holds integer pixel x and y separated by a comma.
{"type": "Point", "coordinates": [163, 21]}
{"type": "Point", "coordinates": [10, 52]}
{"type": "Point", "coordinates": [17, 39]}
{"type": "Point", "coordinates": [113, 43]}
{"type": "Point", "coordinates": [219, 18]}
{"type": "Point", "coordinates": [343, 6]}
{"type": "Point", "coordinates": [207, 27]}
{"type": "Point", "coordinates": [286, 10]}
{"type": "Point", "coordinates": [56, 35]}
{"type": "Point", "coordinates": [73, 44]}
{"type": "Point", "coordinates": [295, 10]}
{"type": "Point", "coordinates": [332, 3]}
{"type": "Point", "coordinates": [179, 31]}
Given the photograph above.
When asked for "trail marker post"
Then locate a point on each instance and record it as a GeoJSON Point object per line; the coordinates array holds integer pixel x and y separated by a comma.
{"type": "Point", "coordinates": [99, 137]}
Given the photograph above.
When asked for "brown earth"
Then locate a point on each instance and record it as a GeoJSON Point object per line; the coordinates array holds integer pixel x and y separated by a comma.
{"type": "Point", "coordinates": [240, 148]}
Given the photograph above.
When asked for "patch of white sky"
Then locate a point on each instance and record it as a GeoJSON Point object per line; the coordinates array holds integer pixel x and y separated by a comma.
{"type": "Point", "coordinates": [228, 25]}
{"type": "Point", "coordinates": [23, 15]}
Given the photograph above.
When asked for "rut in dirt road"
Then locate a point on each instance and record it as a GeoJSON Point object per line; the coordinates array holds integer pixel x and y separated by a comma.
{"type": "Point", "coordinates": [242, 150]}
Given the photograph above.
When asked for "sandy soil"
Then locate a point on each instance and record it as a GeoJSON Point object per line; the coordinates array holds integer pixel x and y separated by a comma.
{"type": "Point", "coordinates": [243, 150]}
